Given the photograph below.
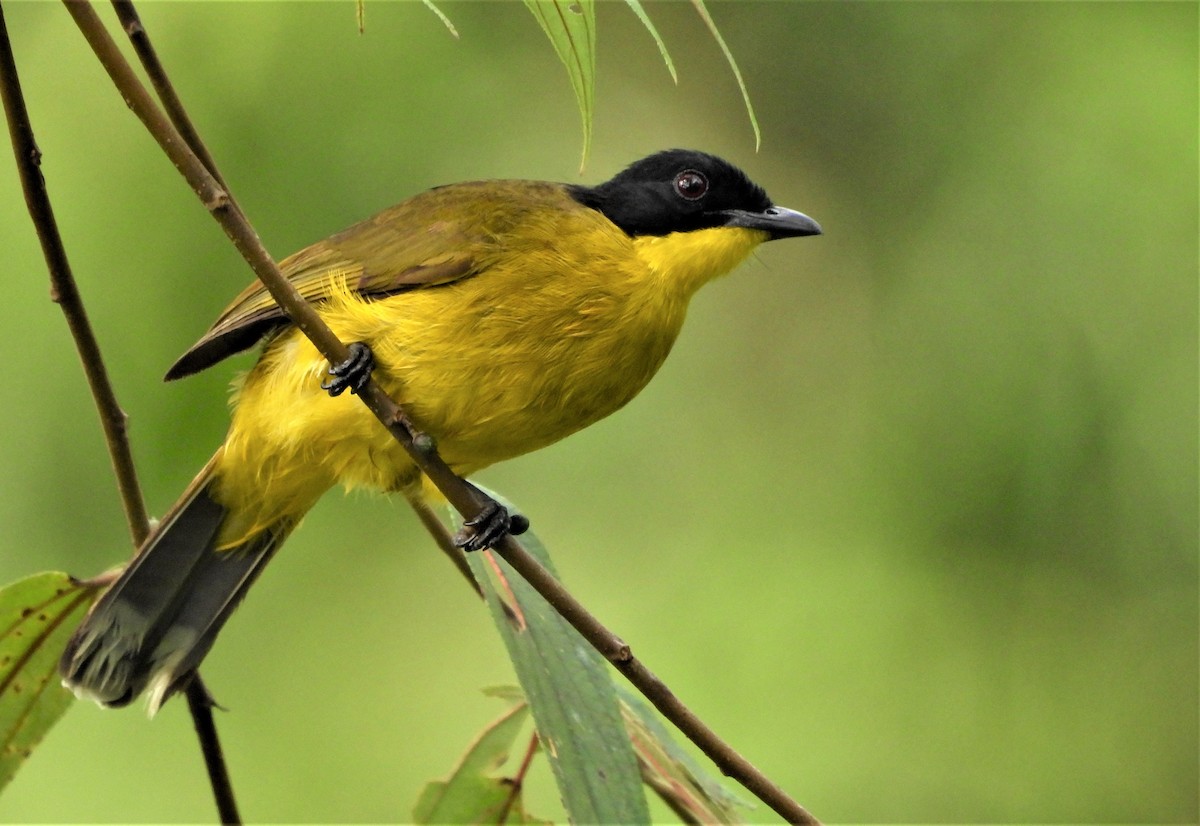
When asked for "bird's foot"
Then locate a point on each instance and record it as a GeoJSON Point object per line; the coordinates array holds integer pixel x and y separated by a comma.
{"type": "Point", "coordinates": [353, 373]}
{"type": "Point", "coordinates": [489, 527]}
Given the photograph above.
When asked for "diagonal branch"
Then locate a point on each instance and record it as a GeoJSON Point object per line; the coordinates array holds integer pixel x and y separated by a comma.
{"type": "Point", "coordinates": [140, 39]}
{"type": "Point", "coordinates": [419, 446]}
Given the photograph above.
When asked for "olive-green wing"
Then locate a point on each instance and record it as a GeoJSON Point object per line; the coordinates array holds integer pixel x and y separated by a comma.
{"type": "Point", "coordinates": [437, 237]}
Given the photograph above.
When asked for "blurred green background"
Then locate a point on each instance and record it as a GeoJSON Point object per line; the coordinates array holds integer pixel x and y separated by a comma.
{"type": "Point", "coordinates": [910, 515]}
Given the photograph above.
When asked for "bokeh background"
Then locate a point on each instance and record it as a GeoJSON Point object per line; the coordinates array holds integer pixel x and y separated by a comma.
{"type": "Point", "coordinates": [910, 515]}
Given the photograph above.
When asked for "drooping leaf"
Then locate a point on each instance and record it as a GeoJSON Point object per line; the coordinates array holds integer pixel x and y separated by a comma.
{"type": "Point", "coordinates": [360, 16]}
{"type": "Point", "coordinates": [37, 616]}
{"type": "Point", "coordinates": [473, 793]}
{"type": "Point", "coordinates": [571, 27]}
{"type": "Point", "coordinates": [694, 794]}
{"type": "Point", "coordinates": [441, 16]}
{"type": "Point", "coordinates": [570, 692]}
{"type": "Point", "coordinates": [637, 9]}
{"type": "Point", "coordinates": [702, 10]}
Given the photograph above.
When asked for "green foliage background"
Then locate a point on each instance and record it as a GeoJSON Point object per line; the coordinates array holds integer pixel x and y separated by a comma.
{"type": "Point", "coordinates": [910, 515]}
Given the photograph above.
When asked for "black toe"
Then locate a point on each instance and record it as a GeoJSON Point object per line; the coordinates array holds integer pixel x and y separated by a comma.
{"type": "Point", "coordinates": [353, 373]}
{"type": "Point", "coordinates": [489, 527]}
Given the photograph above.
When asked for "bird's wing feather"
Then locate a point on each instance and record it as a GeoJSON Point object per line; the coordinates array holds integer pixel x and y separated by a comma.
{"type": "Point", "coordinates": [434, 238]}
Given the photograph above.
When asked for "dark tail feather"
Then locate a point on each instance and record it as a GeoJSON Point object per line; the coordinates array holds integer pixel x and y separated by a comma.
{"type": "Point", "coordinates": [154, 625]}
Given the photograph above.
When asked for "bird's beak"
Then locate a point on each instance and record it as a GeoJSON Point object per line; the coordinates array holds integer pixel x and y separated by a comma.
{"type": "Point", "coordinates": [777, 221]}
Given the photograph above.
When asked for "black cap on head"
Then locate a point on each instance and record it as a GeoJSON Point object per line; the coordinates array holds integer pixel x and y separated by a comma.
{"type": "Point", "coordinates": [680, 190]}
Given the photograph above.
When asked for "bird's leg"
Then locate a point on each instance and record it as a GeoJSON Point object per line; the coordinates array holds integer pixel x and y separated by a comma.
{"type": "Point", "coordinates": [353, 373]}
{"type": "Point", "coordinates": [490, 525]}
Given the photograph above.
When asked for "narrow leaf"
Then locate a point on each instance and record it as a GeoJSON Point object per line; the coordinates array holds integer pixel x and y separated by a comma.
{"type": "Point", "coordinates": [638, 9]}
{"type": "Point", "coordinates": [570, 693]}
{"type": "Point", "coordinates": [37, 616]}
{"type": "Point", "coordinates": [441, 16]}
{"type": "Point", "coordinates": [694, 794]}
{"type": "Point", "coordinates": [472, 794]}
{"type": "Point", "coordinates": [571, 27]}
{"type": "Point", "coordinates": [702, 10]}
{"type": "Point", "coordinates": [683, 783]}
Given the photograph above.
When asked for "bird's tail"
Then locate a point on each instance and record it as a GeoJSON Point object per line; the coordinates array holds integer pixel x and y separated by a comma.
{"type": "Point", "coordinates": [154, 625]}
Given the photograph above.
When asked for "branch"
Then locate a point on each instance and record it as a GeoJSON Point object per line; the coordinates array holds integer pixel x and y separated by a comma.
{"type": "Point", "coordinates": [445, 542]}
{"type": "Point", "coordinates": [140, 39]}
{"type": "Point", "coordinates": [200, 704]}
{"type": "Point", "coordinates": [419, 446]}
{"type": "Point", "coordinates": [65, 292]}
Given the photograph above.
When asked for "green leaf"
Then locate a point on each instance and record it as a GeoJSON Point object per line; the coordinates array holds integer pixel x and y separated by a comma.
{"type": "Point", "coordinates": [694, 794]}
{"type": "Point", "coordinates": [360, 16]}
{"type": "Point", "coordinates": [570, 692]}
{"type": "Point", "coordinates": [37, 617]}
{"type": "Point", "coordinates": [472, 794]}
{"type": "Point", "coordinates": [702, 10]}
{"type": "Point", "coordinates": [637, 9]}
{"type": "Point", "coordinates": [441, 16]}
{"type": "Point", "coordinates": [571, 27]}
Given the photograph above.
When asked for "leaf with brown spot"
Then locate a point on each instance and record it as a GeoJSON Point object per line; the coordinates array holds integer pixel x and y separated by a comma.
{"type": "Point", "coordinates": [37, 616]}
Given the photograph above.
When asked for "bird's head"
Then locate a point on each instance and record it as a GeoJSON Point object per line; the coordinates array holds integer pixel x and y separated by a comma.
{"type": "Point", "coordinates": [692, 214]}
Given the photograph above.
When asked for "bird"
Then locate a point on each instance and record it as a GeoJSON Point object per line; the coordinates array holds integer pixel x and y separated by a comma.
{"type": "Point", "coordinates": [503, 315]}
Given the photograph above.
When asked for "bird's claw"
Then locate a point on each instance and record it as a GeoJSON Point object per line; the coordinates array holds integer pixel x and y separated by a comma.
{"type": "Point", "coordinates": [489, 527]}
{"type": "Point", "coordinates": [353, 373]}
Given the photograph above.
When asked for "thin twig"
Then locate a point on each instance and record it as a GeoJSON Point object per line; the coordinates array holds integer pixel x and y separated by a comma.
{"type": "Point", "coordinates": [113, 419]}
{"type": "Point", "coordinates": [445, 542]}
{"type": "Point", "coordinates": [65, 293]}
{"type": "Point", "coordinates": [200, 704]}
{"type": "Point", "coordinates": [140, 39]}
{"type": "Point", "coordinates": [419, 447]}
{"type": "Point", "coordinates": [518, 780]}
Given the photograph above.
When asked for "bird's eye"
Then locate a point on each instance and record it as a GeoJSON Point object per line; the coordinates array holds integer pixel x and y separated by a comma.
{"type": "Point", "coordinates": [691, 185]}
